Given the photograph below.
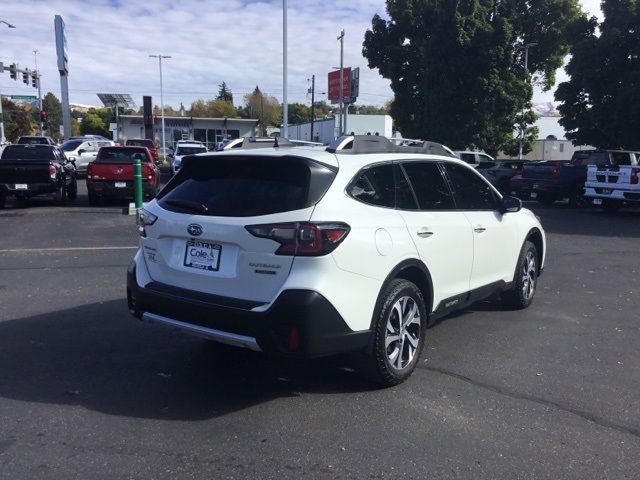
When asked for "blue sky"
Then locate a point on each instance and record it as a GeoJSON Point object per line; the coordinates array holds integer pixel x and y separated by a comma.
{"type": "Point", "coordinates": [238, 41]}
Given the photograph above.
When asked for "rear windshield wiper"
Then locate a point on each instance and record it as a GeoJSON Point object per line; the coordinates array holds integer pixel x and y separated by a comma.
{"type": "Point", "coordinates": [188, 205]}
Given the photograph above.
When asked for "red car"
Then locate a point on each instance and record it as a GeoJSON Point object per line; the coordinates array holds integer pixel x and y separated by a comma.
{"type": "Point", "coordinates": [143, 142]}
{"type": "Point", "coordinates": [111, 174]}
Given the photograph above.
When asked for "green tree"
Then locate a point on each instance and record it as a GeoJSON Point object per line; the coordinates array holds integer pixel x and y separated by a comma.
{"type": "Point", "coordinates": [53, 107]}
{"type": "Point", "coordinates": [224, 93]}
{"type": "Point", "coordinates": [264, 107]}
{"type": "Point", "coordinates": [93, 124]}
{"type": "Point", "coordinates": [299, 113]}
{"type": "Point", "coordinates": [213, 109]}
{"type": "Point", "coordinates": [17, 120]}
{"type": "Point", "coordinates": [456, 67]}
{"type": "Point", "coordinates": [599, 103]}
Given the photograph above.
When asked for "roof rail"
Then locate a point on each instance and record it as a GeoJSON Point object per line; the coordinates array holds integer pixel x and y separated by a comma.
{"type": "Point", "coordinates": [250, 143]}
{"type": "Point", "coordinates": [361, 144]}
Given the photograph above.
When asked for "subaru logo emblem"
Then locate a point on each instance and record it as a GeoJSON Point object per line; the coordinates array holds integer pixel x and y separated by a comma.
{"type": "Point", "coordinates": [194, 230]}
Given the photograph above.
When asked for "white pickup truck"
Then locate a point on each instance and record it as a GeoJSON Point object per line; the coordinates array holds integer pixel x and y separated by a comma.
{"type": "Point", "coordinates": [616, 184]}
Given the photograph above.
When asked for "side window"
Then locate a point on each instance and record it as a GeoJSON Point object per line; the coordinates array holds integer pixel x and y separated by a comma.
{"type": "Point", "coordinates": [484, 158]}
{"type": "Point", "coordinates": [405, 199]}
{"type": "Point", "coordinates": [375, 186]}
{"type": "Point", "coordinates": [468, 157]}
{"type": "Point", "coordinates": [470, 191]}
{"type": "Point", "coordinates": [620, 158]}
{"type": "Point", "coordinates": [429, 186]}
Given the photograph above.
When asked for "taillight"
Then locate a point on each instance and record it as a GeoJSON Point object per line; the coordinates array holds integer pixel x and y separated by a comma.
{"type": "Point", "coordinates": [302, 238]}
{"type": "Point", "coordinates": [635, 172]}
{"type": "Point", "coordinates": [556, 172]}
{"type": "Point", "coordinates": [90, 171]}
{"type": "Point", "coordinates": [52, 172]}
{"type": "Point", "coordinates": [147, 171]}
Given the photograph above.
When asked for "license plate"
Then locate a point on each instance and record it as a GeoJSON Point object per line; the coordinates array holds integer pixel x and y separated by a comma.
{"type": "Point", "coordinates": [606, 191]}
{"type": "Point", "coordinates": [534, 195]}
{"type": "Point", "coordinates": [536, 185]}
{"type": "Point", "coordinates": [597, 201]}
{"type": "Point", "coordinates": [202, 255]}
{"type": "Point", "coordinates": [22, 186]}
{"type": "Point", "coordinates": [121, 184]}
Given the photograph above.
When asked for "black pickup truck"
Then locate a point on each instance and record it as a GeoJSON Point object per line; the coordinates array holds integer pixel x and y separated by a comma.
{"type": "Point", "coordinates": [551, 181]}
{"type": "Point", "coordinates": [30, 170]}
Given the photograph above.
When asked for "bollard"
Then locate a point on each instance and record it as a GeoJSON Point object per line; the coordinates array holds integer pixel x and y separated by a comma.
{"type": "Point", "coordinates": [137, 182]}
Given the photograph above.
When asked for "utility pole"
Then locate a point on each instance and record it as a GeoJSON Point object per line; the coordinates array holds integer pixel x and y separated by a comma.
{"type": "Point", "coordinates": [37, 73]}
{"type": "Point", "coordinates": [285, 104]}
{"type": "Point", "coordinates": [341, 38]}
{"type": "Point", "coordinates": [526, 67]}
{"type": "Point", "coordinates": [313, 101]}
{"type": "Point", "coordinates": [2, 68]}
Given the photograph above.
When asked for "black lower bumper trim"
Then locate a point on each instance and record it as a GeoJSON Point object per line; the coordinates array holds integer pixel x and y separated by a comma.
{"type": "Point", "coordinates": [300, 323]}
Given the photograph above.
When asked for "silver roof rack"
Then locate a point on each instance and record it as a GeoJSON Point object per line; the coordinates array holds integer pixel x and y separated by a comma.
{"type": "Point", "coordinates": [362, 144]}
{"type": "Point", "coordinates": [250, 143]}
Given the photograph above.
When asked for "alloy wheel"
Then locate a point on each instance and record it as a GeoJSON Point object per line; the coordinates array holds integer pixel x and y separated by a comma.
{"type": "Point", "coordinates": [402, 333]}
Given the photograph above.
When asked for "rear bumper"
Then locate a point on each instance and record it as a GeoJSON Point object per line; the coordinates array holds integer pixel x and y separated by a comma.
{"type": "Point", "coordinates": [300, 323]}
{"type": "Point", "coordinates": [108, 189]}
{"type": "Point", "coordinates": [541, 187]}
{"type": "Point", "coordinates": [32, 189]}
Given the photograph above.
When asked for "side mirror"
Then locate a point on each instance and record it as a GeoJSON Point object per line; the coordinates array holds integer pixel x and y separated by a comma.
{"type": "Point", "coordinates": [511, 204]}
{"type": "Point", "coordinates": [80, 152]}
{"type": "Point", "coordinates": [71, 160]}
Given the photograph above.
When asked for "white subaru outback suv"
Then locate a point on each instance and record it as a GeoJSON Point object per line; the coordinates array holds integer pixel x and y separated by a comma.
{"type": "Point", "coordinates": [309, 252]}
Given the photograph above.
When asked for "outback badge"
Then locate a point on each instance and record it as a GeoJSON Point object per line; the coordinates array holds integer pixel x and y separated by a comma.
{"type": "Point", "coordinates": [194, 230]}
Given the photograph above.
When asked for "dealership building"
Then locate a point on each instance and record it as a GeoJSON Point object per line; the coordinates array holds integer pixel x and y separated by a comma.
{"type": "Point", "coordinates": [206, 130]}
{"type": "Point", "coordinates": [326, 130]}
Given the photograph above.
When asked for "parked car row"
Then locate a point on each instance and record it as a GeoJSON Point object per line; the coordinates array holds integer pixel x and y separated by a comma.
{"type": "Point", "coordinates": [31, 169]}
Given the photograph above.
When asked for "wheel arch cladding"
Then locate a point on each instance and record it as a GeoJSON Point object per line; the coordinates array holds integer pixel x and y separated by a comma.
{"type": "Point", "coordinates": [417, 273]}
{"type": "Point", "coordinates": [535, 237]}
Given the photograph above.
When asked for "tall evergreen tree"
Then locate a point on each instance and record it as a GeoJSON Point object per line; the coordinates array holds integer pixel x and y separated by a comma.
{"type": "Point", "coordinates": [599, 103]}
{"type": "Point", "coordinates": [456, 66]}
{"type": "Point", "coordinates": [224, 93]}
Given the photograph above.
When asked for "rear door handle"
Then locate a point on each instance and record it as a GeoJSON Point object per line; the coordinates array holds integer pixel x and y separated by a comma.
{"type": "Point", "coordinates": [479, 229]}
{"type": "Point", "coordinates": [424, 233]}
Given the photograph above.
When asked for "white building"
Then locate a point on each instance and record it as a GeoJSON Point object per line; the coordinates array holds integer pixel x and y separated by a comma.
{"type": "Point", "coordinates": [207, 130]}
{"type": "Point", "coordinates": [326, 130]}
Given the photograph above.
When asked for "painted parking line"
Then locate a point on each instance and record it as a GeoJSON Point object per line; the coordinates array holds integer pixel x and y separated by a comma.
{"type": "Point", "coordinates": [62, 249]}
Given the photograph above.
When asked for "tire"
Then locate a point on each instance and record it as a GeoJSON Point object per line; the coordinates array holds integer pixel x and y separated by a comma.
{"type": "Point", "coordinates": [72, 190]}
{"type": "Point", "coordinates": [93, 199]}
{"type": "Point", "coordinates": [611, 206]}
{"type": "Point", "coordinates": [577, 198]}
{"type": "Point", "coordinates": [525, 280]}
{"type": "Point", "coordinates": [390, 362]}
{"type": "Point", "coordinates": [60, 197]}
{"type": "Point", "coordinates": [546, 199]}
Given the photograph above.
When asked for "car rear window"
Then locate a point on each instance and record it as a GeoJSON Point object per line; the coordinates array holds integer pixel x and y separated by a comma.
{"type": "Point", "coordinates": [12, 152]}
{"type": "Point", "coordinates": [70, 145]}
{"type": "Point", "coordinates": [33, 141]}
{"type": "Point", "coordinates": [121, 155]}
{"type": "Point", "coordinates": [239, 186]}
{"type": "Point", "coordinates": [190, 150]}
{"type": "Point", "coordinates": [141, 143]}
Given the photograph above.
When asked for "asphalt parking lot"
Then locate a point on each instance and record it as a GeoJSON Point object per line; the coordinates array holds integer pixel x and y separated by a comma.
{"type": "Point", "coordinates": [86, 391]}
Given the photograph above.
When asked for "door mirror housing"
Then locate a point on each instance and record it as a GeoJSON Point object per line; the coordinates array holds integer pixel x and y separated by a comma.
{"type": "Point", "coordinates": [511, 204]}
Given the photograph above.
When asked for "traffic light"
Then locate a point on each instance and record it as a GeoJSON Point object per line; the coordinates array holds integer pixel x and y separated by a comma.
{"type": "Point", "coordinates": [13, 71]}
{"type": "Point", "coordinates": [35, 79]}
{"type": "Point", "coordinates": [25, 77]}
{"type": "Point", "coordinates": [43, 115]}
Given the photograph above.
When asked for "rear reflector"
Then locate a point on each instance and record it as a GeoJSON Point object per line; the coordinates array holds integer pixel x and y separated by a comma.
{"type": "Point", "coordinates": [294, 338]}
{"type": "Point", "coordinates": [302, 238]}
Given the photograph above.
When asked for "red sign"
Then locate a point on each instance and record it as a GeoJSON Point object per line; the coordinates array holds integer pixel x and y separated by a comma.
{"type": "Point", "coordinates": [334, 85]}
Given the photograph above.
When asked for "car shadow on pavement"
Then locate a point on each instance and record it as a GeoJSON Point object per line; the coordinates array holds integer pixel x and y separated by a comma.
{"type": "Point", "coordinates": [99, 357]}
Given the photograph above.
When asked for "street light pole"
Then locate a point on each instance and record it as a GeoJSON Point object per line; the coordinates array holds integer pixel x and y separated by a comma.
{"type": "Point", "coordinates": [313, 101]}
{"type": "Point", "coordinates": [285, 105]}
{"type": "Point", "coordinates": [160, 57]}
{"type": "Point", "coordinates": [1, 115]}
{"type": "Point", "coordinates": [341, 38]}
{"type": "Point", "coordinates": [526, 67]}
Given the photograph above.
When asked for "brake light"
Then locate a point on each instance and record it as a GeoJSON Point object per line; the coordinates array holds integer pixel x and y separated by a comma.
{"type": "Point", "coordinates": [147, 171]}
{"type": "Point", "coordinates": [635, 173]}
{"type": "Point", "coordinates": [304, 239]}
{"type": "Point", "coordinates": [52, 172]}
{"type": "Point", "coordinates": [556, 172]}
